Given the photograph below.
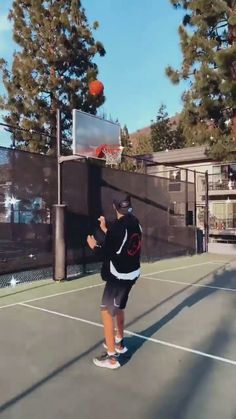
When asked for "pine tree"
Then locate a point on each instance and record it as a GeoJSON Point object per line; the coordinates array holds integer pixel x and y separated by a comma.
{"type": "Point", "coordinates": [125, 141]}
{"type": "Point", "coordinates": [143, 145]}
{"type": "Point", "coordinates": [51, 69]}
{"type": "Point", "coordinates": [208, 44]}
{"type": "Point", "coordinates": [163, 135]}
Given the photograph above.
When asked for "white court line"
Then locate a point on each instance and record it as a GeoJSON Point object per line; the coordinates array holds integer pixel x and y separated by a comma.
{"type": "Point", "coordinates": [51, 295]}
{"type": "Point", "coordinates": [128, 332]}
{"type": "Point", "coordinates": [92, 286]}
{"type": "Point", "coordinates": [61, 314]}
{"type": "Point", "coordinates": [97, 285]}
{"type": "Point", "coordinates": [186, 267]}
{"type": "Point", "coordinates": [189, 283]}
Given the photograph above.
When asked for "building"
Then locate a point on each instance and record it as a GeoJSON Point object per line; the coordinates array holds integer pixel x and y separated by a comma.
{"type": "Point", "coordinates": [215, 182]}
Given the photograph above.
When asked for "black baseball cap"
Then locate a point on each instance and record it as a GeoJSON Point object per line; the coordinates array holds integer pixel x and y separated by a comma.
{"type": "Point", "coordinates": [122, 203]}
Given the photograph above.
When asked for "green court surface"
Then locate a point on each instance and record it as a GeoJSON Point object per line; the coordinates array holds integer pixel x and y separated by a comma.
{"type": "Point", "coordinates": [180, 331]}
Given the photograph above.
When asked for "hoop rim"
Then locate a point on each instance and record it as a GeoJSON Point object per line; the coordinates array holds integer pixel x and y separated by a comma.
{"type": "Point", "coordinates": [102, 149]}
{"type": "Point", "coordinates": [110, 152]}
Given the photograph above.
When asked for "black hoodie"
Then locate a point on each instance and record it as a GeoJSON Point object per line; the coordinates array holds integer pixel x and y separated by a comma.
{"type": "Point", "coordinates": [122, 249]}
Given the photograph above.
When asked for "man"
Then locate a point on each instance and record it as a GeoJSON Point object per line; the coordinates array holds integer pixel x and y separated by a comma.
{"type": "Point", "coordinates": [120, 270]}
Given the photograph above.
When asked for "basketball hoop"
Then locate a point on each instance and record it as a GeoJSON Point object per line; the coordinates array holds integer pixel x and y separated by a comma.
{"type": "Point", "coordinates": [111, 153]}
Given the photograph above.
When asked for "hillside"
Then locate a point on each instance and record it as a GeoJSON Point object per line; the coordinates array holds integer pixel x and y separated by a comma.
{"type": "Point", "coordinates": [146, 131]}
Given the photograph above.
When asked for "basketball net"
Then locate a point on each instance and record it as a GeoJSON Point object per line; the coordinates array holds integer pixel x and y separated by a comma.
{"type": "Point", "coordinates": [112, 154]}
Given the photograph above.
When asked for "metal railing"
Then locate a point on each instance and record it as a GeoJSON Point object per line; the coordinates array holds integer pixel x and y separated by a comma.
{"type": "Point", "coordinates": [221, 182]}
{"type": "Point", "coordinates": [222, 223]}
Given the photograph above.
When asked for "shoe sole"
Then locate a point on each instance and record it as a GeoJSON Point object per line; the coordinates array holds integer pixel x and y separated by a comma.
{"type": "Point", "coordinates": [118, 351]}
{"type": "Point", "coordinates": [107, 365]}
{"type": "Point", "coordinates": [122, 351]}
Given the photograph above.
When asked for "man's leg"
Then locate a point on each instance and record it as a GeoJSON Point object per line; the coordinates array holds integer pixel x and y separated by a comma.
{"type": "Point", "coordinates": [109, 359]}
{"type": "Point", "coordinates": [109, 334]}
{"type": "Point", "coordinates": [119, 343]}
{"type": "Point", "coordinates": [122, 297]}
{"type": "Point", "coordinates": [120, 321]}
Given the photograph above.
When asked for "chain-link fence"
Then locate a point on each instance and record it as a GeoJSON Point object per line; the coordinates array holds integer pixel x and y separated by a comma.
{"type": "Point", "coordinates": [165, 203]}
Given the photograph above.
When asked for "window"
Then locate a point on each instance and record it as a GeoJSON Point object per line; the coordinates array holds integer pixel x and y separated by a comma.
{"type": "Point", "coordinates": [175, 178]}
{"type": "Point", "coordinates": [232, 171]}
{"type": "Point", "coordinates": [223, 215]}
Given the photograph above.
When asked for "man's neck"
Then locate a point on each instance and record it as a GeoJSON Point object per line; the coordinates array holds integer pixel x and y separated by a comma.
{"type": "Point", "coordinates": [118, 215]}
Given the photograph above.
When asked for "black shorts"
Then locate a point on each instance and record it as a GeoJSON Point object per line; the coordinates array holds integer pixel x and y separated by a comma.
{"type": "Point", "coordinates": [115, 295]}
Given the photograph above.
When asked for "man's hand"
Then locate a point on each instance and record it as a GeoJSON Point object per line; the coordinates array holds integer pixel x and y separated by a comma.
{"type": "Point", "coordinates": [92, 242]}
{"type": "Point", "coordinates": [103, 226]}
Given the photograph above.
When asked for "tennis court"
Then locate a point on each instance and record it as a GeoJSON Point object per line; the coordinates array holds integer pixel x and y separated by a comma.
{"type": "Point", "coordinates": [180, 330]}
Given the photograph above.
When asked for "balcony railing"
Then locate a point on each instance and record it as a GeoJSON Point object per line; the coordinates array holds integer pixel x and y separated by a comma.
{"type": "Point", "coordinates": [222, 223]}
{"type": "Point", "coordinates": [221, 185]}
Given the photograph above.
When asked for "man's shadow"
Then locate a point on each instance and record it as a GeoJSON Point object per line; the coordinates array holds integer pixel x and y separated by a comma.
{"type": "Point", "coordinates": [134, 343]}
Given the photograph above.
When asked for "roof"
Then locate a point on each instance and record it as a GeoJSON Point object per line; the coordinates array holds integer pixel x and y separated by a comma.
{"type": "Point", "coordinates": [183, 155]}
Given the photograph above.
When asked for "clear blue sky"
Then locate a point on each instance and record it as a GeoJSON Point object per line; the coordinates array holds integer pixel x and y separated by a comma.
{"type": "Point", "coordinates": [141, 39]}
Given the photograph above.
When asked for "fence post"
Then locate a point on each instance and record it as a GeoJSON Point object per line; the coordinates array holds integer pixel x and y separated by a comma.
{"type": "Point", "coordinates": [195, 199]}
{"type": "Point", "coordinates": [206, 212]}
{"type": "Point", "coordinates": [59, 243]}
{"type": "Point", "coordinates": [195, 210]}
{"type": "Point", "coordinates": [186, 199]}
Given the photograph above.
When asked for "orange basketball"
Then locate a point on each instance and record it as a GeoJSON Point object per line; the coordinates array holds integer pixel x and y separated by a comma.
{"type": "Point", "coordinates": [96, 88]}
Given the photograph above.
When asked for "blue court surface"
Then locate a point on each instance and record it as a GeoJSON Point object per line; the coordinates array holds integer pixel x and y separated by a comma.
{"type": "Point", "coordinates": [180, 331]}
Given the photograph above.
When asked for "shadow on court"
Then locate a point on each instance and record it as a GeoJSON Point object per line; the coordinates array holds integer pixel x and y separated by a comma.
{"type": "Point", "coordinates": [191, 383]}
{"type": "Point", "coordinates": [47, 378]}
{"type": "Point", "coordinates": [175, 294]}
{"type": "Point", "coordinates": [135, 343]}
{"type": "Point", "coordinates": [176, 400]}
{"type": "Point", "coordinates": [184, 385]}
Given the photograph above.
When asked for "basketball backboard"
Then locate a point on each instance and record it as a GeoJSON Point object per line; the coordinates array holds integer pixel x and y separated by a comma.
{"type": "Point", "coordinates": [90, 132]}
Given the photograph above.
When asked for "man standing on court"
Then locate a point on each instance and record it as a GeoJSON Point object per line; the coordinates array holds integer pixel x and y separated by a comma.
{"type": "Point", "coordinates": [120, 270]}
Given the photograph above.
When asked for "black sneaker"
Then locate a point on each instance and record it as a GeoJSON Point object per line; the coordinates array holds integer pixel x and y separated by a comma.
{"type": "Point", "coordinates": [107, 361]}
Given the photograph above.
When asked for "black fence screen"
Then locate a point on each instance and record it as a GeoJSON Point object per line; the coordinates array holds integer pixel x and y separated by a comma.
{"type": "Point", "coordinates": [28, 190]}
